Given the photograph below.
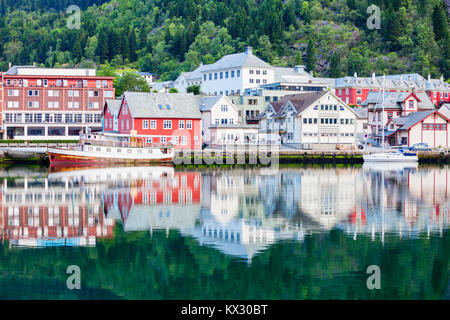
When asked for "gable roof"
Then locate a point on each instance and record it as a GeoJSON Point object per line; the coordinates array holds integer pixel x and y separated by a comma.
{"type": "Point", "coordinates": [414, 118]}
{"type": "Point", "coordinates": [445, 110]}
{"type": "Point", "coordinates": [147, 105]}
{"type": "Point", "coordinates": [207, 103]}
{"type": "Point", "coordinates": [361, 112]}
{"type": "Point", "coordinates": [302, 101]}
{"type": "Point", "coordinates": [393, 100]}
{"type": "Point", "coordinates": [243, 59]}
{"type": "Point", "coordinates": [113, 106]}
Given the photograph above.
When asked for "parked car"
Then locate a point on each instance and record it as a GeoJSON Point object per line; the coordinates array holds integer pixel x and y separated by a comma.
{"type": "Point", "coordinates": [420, 147]}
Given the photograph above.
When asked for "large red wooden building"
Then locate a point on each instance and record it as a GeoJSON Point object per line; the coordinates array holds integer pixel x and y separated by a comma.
{"type": "Point", "coordinates": [164, 117]}
{"type": "Point", "coordinates": [43, 103]}
{"type": "Point", "coordinates": [354, 90]}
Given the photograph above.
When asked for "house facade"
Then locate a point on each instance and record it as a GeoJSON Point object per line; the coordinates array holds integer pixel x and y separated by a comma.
{"type": "Point", "coordinates": [165, 117]}
{"type": "Point", "coordinates": [316, 120]}
{"type": "Point", "coordinates": [235, 73]}
{"type": "Point", "coordinates": [430, 127]}
{"type": "Point", "coordinates": [354, 90]}
{"type": "Point", "coordinates": [217, 111]}
{"type": "Point", "coordinates": [110, 115]}
{"type": "Point", "coordinates": [396, 104]}
{"type": "Point", "coordinates": [44, 103]}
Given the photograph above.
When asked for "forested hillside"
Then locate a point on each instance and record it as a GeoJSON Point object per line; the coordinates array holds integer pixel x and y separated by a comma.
{"type": "Point", "coordinates": [169, 36]}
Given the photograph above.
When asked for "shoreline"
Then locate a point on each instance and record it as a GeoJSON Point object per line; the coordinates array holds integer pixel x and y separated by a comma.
{"type": "Point", "coordinates": [210, 158]}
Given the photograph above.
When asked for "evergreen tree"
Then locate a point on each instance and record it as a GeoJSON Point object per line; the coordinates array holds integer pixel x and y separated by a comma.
{"type": "Point", "coordinates": [334, 71]}
{"type": "Point", "coordinates": [311, 56]}
{"type": "Point", "coordinates": [440, 24]}
{"type": "Point", "coordinates": [298, 59]}
{"type": "Point", "coordinates": [103, 46]}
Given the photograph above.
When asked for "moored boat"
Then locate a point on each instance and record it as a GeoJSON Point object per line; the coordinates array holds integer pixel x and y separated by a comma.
{"type": "Point", "coordinates": [399, 156]}
{"type": "Point", "coordinates": [104, 147]}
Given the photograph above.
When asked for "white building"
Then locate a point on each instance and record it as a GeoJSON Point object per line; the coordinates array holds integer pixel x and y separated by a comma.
{"type": "Point", "coordinates": [315, 120]}
{"type": "Point", "coordinates": [235, 73]}
{"type": "Point", "coordinates": [187, 79]}
{"type": "Point", "coordinates": [221, 123]}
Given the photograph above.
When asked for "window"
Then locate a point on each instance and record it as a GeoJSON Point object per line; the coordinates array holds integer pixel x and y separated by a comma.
{"type": "Point", "coordinates": [251, 72]}
{"type": "Point", "coordinates": [305, 120]}
{"type": "Point", "coordinates": [65, 83]}
{"type": "Point", "coordinates": [411, 104]}
{"type": "Point", "coordinates": [181, 124]}
{"type": "Point", "coordinates": [89, 118]}
{"type": "Point", "coordinates": [232, 73]}
{"type": "Point", "coordinates": [99, 83]}
{"type": "Point", "coordinates": [238, 73]}
{"type": "Point", "coordinates": [167, 124]}
{"type": "Point", "coordinates": [264, 72]}
{"type": "Point", "coordinates": [226, 74]}
{"type": "Point", "coordinates": [128, 124]}
{"type": "Point", "coordinates": [152, 124]}
{"type": "Point", "coordinates": [57, 118]}
{"type": "Point", "coordinates": [215, 76]}
{"type": "Point", "coordinates": [183, 140]}
{"type": "Point", "coordinates": [53, 104]}
{"type": "Point", "coordinates": [221, 75]}
{"type": "Point", "coordinates": [108, 94]}
{"type": "Point", "coordinates": [204, 77]}
{"type": "Point", "coordinates": [224, 108]}
{"type": "Point", "coordinates": [189, 124]}
{"type": "Point", "coordinates": [251, 80]}
{"type": "Point", "coordinates": [144, 124]}
{"type": "Point", "coordinates": [210, 76]}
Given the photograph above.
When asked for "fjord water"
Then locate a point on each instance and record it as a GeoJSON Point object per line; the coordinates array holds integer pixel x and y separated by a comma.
{"type": "Point", "coordinates": [258, 233]}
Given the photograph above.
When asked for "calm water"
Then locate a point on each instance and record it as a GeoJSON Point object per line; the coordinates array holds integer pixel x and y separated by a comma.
{"type": "Point", "coordinates": [160, 233]}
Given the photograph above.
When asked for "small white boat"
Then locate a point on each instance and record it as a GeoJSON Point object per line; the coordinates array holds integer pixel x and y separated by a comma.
{"type": "Point", "coordinates": [399, 156]}
{"type": "Point", "coordinates": [111, 148]}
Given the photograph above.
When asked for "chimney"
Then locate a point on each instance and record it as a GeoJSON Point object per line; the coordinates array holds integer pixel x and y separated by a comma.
{"type": "Point", "coordinates": [248, 50]}
{"type": "Point", "coordinates": [401, 78]}
{"type": "Point", "coordinates": [299, 69]}
{"type": "Point", "coordinates": [356, 75]}
{"type": "Point", "coordinates": [10, 65]}
{"type": "Point", "coordinates": [429, 77]}
{"type": "Point", "coordinates": [373, 76]}
{"type": "Point", "coordinates": [311, 73]}
{"type": "Point", "coordinates": [34, 64]}
{"type": "Point", "coordinates": [442, 78]}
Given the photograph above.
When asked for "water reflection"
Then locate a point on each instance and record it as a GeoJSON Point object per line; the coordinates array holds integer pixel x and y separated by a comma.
{"type": "Point", "coordinates": [239, 212]}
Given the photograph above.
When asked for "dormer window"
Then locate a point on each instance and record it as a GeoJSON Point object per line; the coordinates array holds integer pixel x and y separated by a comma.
{"type": "Point", "coordinates": [411, 104]}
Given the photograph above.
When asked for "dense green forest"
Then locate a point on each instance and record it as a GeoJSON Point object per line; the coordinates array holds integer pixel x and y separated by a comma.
{"type": "Point", "coordinates": [169, 36]}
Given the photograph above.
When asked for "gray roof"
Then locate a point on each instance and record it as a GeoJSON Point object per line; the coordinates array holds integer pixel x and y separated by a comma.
{"type": "Point", "coordinates": [147, 105]}
{"type": "Point", "coordinates": [298, 75]}
{"type": "Point", "coordinates": [361, 112]}
{"type": "Point", "coordinates": [414, 118]}
{"type": "Point", "coordinates": [113, 105]}
{"type": "Point", "coordinates": [392, 100]}
{"type": "Point", "coordinates": [302, 101]}
{"type": "Point", "coordinates": [207, 103]}
{"type": "Point", "coordinates": [394, 82]}
{"type": "Point", "coordinates": [158, 85]}
{"type": "Point", "coordinates": [445, 110]}
{"type": "Point", "coordinates": [243, 59]}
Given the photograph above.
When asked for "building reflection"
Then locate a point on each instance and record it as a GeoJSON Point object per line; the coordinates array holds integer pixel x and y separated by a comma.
{"type": "Point", "coordinates": [240, 212]}
{"type": "Point", "coordinates": [40, 211]}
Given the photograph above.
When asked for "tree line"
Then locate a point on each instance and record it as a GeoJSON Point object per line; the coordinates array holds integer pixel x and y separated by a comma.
{"type": "Point", "coordinates": [169, 36]}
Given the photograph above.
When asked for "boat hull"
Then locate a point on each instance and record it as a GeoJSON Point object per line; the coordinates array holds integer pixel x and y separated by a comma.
{"type": "Point", "coordinates": [389, 158]}
{"type": "Point", "coordinates": [64, 157]}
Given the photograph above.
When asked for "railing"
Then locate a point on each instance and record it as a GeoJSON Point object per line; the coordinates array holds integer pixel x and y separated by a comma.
{"type": "Point", "coordinates": [125, 144]}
